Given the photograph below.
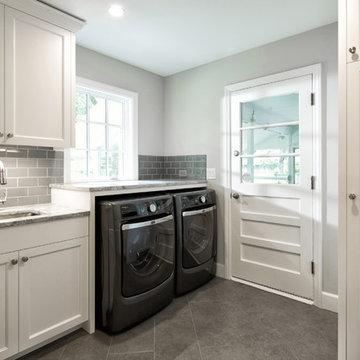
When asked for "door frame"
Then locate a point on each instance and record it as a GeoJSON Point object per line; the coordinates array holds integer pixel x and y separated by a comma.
{"type": "Point", "coordinates": [318, 197]}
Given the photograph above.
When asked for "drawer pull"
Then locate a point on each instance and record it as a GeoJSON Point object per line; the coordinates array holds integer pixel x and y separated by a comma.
{"type": "Point", "coordinates": [14, 261]}
{"type": "Point", "coordinates": [25, 259]}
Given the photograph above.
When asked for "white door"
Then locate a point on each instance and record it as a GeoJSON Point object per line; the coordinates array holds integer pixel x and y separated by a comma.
{"type": "Point", "coordinates": [53, 288]}
{"type": "Point", "coordinates": [38, 81]}
{"type": "Point", "coordinates": [272, 242]}
{"type": "Point", "coordinates": [353, 212]}
{"type": "Point", "coordinates": [2, 74]}
{"type": "Point", "coordinates": [8, 305]}
{"type": "Point", "coordinates": [353, 29]}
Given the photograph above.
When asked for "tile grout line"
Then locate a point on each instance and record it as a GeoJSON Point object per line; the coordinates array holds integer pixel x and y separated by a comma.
{"type": "Point", "coordinates": [108, 352]}
{"type": "Point", "coordinates": [197, 338]}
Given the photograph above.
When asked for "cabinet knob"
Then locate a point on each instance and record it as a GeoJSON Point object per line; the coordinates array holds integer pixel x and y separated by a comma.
{"type": "Point", "coordinates": [14, 261]}
{"type": "Point", "coordinates": [1, 134]}
{"type": "Point", "coordinates": [352, 196]}
{"type": "Point", "coordinates": [25, 259]}
{"type": "Point", "coordinates": [352, 50]}
{"type": "Point", "coordinates": [10, 135]}
{"type": "Point", "coordinates": [235, 195]}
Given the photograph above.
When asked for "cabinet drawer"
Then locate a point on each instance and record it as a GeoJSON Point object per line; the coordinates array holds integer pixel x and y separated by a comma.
{"type": "Point", "coordinates": [31, 235]}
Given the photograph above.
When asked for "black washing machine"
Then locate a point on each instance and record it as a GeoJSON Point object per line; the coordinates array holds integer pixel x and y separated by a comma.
{"type": "Point", "coordinates": [196, 239]}
{"type": "Point", "coordinates": [135, 260]}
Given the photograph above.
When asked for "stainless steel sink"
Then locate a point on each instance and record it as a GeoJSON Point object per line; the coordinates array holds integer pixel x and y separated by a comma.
{"type": "Point", "coordinates": [8, 215]}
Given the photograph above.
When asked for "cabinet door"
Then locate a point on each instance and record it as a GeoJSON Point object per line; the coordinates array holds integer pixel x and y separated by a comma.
{"type": "Point", "coordinates": [353, 211]}
{"type": "Point", "coordinates": [8, 305]}
{"type": "Point", "coordinates": [38, 81]}
{"type": "Point", "coordinates": [2, 73]}
{"type": "Point", "coordinates": [353, 29]}
{"type": "Point", "coordinates": [53, 285]}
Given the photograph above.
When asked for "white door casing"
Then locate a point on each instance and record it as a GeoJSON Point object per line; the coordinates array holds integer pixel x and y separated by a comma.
{"type": "Point", "coordinates": [8, 305]}
{"type": "Point", "coordinates": [2, 74]}
{"type": "Point", "coordinates": [48, 274]}
{"type": "Point", "coordinates": [272, 242]}
{"type": "Point", "coordinates": [38, 81]}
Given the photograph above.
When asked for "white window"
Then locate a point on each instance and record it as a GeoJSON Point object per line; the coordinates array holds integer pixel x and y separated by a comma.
{"type": "Point", "coordinates": [105, 133]}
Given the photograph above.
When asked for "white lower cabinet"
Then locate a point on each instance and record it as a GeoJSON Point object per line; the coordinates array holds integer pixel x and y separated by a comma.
{"type": "Point", "coordinates": [43, 293]}
{"type": "Point", "coordinates": [8, 304]}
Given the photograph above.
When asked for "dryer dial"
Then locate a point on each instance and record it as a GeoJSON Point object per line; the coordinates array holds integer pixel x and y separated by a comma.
{"type": "Point", "coordinates": [152, 207]}
{"type": "Point", "coordinates": [203, 199]}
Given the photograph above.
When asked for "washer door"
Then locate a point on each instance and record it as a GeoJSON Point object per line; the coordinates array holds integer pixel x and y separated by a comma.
{"type": "Point", "coordinates": [198, 236]}
{"type": "Point", "coordinates": [148, 254]}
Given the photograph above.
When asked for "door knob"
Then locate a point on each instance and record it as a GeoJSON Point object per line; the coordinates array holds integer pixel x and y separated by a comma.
{"type": "Point", "coordinates": [14, 261]}
{"type": "Point", "coordinates": [352, 50]}
{"type": "Point", "coordinates": [235, 195]}
{"type": "Point", "coordinates": [236, 153]}
{"type": "Point", "coordinates": [352, 196]}
{"type": "Point", "coordinates": [25, 259]}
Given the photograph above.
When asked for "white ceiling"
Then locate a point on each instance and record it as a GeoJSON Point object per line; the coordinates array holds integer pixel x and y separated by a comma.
{"type": "Point", "coordinates": [168, 36]}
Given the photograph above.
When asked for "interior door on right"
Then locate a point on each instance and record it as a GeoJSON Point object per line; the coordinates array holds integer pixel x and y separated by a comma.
{"type": "Point", "coordinates": [272, 139]}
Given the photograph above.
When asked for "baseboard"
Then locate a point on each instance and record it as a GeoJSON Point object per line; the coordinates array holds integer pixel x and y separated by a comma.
{"type": "Point", "coordinates": [220, 270]}
{"type": "Point", "coordinates": [329, 301]}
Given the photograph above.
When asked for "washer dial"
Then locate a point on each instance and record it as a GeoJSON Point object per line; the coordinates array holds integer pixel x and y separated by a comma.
{"type": "Point", "coordinates": [203, 199]}
{"type": "Point", "coordinates": [152, 207]}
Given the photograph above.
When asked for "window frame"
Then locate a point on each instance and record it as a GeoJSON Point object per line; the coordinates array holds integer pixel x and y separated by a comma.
{"type": "Point", "coordinates": [130, 129]}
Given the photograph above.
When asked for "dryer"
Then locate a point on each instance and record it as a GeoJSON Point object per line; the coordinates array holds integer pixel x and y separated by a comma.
{"type": "Point", "coordinates": [196, 239]}
{"type": "Point", "coordinates": [135, 260]}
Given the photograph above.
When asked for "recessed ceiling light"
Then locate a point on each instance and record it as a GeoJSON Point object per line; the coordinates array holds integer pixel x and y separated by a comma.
{"type": "Point", "coordinates": [116, 10]}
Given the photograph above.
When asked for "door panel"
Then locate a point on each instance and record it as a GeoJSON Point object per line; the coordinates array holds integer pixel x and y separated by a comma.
{"type": "Point", "coordinates": [272, 241]}
{"type": "Point", "coordinates": [53, 290]}
{"type": "Point", "coordinates": [353, 29]}
{"type": "Point", "coordinates": [38, 81]}
{"type": "Point", "coordinates": [8, 305]}
{"type": "Point", "coordinates": [353, 210]}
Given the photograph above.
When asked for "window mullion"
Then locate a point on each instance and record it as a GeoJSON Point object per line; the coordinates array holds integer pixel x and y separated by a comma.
{"type": "Point", "coordinates": [87, 137]}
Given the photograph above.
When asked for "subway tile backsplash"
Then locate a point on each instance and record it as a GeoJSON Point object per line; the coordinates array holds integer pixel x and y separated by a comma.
{"type": "Point", "coordinates": [181, 167]}
{"type": "Point", "coordinates": [30, 170]}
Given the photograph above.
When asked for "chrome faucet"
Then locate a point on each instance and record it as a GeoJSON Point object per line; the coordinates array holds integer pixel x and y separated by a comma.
{"type": "Point", "coordinates": [3, 180]}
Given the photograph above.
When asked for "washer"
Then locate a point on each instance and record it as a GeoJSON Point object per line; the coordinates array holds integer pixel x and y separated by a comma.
{"type": "Point", "coordinates": [196, 239]}
{"type": "Point", "coordinates": [135, 260]}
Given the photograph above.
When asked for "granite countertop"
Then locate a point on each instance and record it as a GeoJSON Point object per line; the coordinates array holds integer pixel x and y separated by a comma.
{"type": "Point", "coordinates": [44, 212]}
{"type": "Point", "coordinates": [128, 185]}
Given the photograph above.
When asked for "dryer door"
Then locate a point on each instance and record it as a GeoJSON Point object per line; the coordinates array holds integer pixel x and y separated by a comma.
{"type": "Point", "coordinates": [199, 227]}
{"type": "Point", "coordinates": [148, 254]}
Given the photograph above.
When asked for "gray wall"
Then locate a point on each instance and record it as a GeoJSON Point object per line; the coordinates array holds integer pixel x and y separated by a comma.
{"type": "Point", "coordinates": [193, 116]}
{"type": "Point", "coordinates": [150, 87]}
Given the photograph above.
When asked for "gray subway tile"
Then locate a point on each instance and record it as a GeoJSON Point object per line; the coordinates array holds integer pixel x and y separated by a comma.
{"type": "Point", "coordinates": [55, 172]}
{"type": "Point", "coordinates": [38, 191]}
{"type": "Point", "coordinates": [16, 153]}
{"type": "Point", "coordinates": [38, 154]}
{"type": "Point", "coordinates": [38, 172]}
{"type": "Point", "coordinates": [44, 199]}
{"type": "Point", "coordinates": [28, 182]}
{"type": "Point", "coordinates": [9, 162]}
{"type": "Point", "coordinates": [28, 200]}
{"type": "Point", "coordinates": [14, 192]}
{"type": "Point", "coordinates": [46, 163]}
{"type": "Point", "coordinates": [27, 163]}
{"type": "Point", "coordinates": [17, 172]}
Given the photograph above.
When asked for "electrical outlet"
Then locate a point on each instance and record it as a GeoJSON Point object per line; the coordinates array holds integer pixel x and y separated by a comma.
{"type": "Point", "coordinates": [211, 173]}
{"type": "Point", "coordinates": [183, 173]}
{"type": "Point", "coordinates": [3, 195]}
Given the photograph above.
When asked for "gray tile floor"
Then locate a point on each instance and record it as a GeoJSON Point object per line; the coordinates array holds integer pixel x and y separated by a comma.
{"type": "Point", "coordinates": [220, 321]}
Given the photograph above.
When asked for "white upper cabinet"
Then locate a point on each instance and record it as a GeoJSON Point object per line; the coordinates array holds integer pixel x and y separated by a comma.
{"type": "Point", "coordinates": [37, 74]}
{"type": "Point", "coordinates": [353, 30]}
{"type": "Point", "coordinates": [2, 73]}
{"type": "Point", "coordinates": [38, 92]}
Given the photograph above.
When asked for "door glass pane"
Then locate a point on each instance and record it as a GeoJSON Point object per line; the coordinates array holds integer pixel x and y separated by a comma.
{"type": "Point", "coordinates": [97, 163]}
{"type": "Point", "coordinates": [97, 136]}
{"type": "Point", "coordinates": [271, 110]}
{"type": "Point", "coordinates": [271, 170]}
{"type": "Point", "coordinates": [115, 138]}
{"type": "Point", "coordinates": [78, 164]}
{"type": "Point", "coordinates": [96, 109]}
{"type": "Point", "coordinates": [271, 140]}
{"type": "Point", "coordinates": [115, 111]}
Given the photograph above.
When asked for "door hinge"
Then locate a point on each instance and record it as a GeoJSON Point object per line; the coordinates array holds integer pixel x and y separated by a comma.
{"type": "Point", "coordinates": [312, 99]}
{"type": "Point", "coordinates": [313, 182]}
{"type": "Point", "coordinates": [313, 267]}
